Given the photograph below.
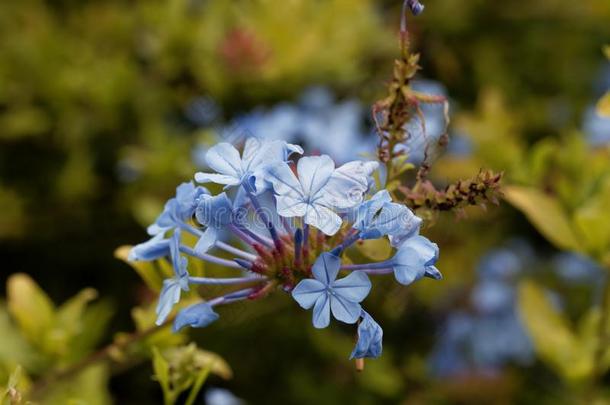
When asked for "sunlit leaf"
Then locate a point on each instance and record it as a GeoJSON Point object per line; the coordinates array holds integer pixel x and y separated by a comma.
{"type": "Point", "coordinates": [545, 213]}
{"type": "Point", "coordinates": [592, 219]}
{"type": "Point", "coordinates": [31, 307]}
{"type": "Point", "coordinates": [554, 342]}
{"type": "Point", "coordinates": [89, 387]}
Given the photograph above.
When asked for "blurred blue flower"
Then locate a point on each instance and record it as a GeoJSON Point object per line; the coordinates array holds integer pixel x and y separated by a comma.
{"type": "Point", "coordinates": [327, 294]}
{"type": "Point", "coordinates": [596, 127]}
{"type": "Point", "coordinates": [316, 120]}
{"type": "Point", "coordinates": [577, 268]}
{"type": "Point", "coordinates": [429, 132]}
{"type": "Point", "coordinates": [370, 338]}
{"type": "Point", "coordinates": [220, 396]}
{"type": "Point", "coordinates": [202, 111]}
{"type": "Point", "coordinates": [491, 335]}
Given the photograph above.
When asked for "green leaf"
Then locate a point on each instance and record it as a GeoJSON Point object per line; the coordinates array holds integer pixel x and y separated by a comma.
{"type": "Point", "coordinates": [593, 222]}
{"type": "Point", "coordinates": [198, 384]}
{"type": "Point", "coordinates": [545, 213]}
{"type": "Point", "coordinates": [31, 308]}
{"type": "Point", "coordinates": [89, 387]}
{"type": "Point", "coordinates": [375, 249]}
{"type": "Point", "coordinates": [553, 340]}
{"type": "Point", "coordinates": [161, 370]}
{"type": "Point", "coordinates": [69, 314]}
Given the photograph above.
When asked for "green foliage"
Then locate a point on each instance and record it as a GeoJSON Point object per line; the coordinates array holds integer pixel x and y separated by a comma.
{"type": "Point", "coordinates": [545, 213]}
{"type": "Point", "coordinates": [181, 368]}
{"type": "Point", "coordinates": [61, 334]}
{"type": "Point", "coordinates": [571, 351]}
{"type": "Point", "coordinates": [49, 338]}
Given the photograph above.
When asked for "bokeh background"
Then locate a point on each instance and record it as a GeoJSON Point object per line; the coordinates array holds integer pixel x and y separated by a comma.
{"type": "Point", "coordinates": [106, 106]}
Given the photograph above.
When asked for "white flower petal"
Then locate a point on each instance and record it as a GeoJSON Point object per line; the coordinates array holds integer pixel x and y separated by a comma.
{"type": "Point", "coordinates": [224, 159]}
{"type": "Point", "coordinates": [323, 218]}
{"type": "Point", "coordinates": [314, 173]}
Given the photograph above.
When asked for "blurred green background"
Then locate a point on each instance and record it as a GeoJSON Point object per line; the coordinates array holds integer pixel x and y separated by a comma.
{"type": "Point", "coordinates": [103, 105]}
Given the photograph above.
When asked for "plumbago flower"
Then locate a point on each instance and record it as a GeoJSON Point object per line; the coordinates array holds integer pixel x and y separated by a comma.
{"type": "Point", "coordinates": [294, 223]}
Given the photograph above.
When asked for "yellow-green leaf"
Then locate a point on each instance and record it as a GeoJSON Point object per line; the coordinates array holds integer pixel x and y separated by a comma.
{"type": "Point", "coordinates": [545, 213]}
{"type": "Point", "coordinates": [593, 221]}
{"type": "Point", "coordinates": [549, 330]}
{"type": "Point", "coordinates": [30, 306]}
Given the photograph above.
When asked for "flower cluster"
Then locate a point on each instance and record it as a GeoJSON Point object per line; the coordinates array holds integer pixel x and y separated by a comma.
{"type": "Point", "coordinates": [294, 222]}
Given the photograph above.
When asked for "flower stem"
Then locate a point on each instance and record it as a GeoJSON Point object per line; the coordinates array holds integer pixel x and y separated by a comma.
{"type": "Point", "coordinates": [209, 258]}
{"type": "Point", "coordinates": [381, 265]}
{"type": "Point", "coordinates": [225, 281]}
{"type": "Point", "coordinates": [237, 252]}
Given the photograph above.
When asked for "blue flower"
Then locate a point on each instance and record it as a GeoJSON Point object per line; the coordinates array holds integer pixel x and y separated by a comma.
{"type": "Point", "coordinates": [415, 259]}
{"type": "Point", "coordinates": [153, 249]}
{"type": "Point", "coordinates": [215, 212]}
{"type": "Point", "coordinates": [178, 209]}
{"type": "Point", "coordinates": [370, 336]}
{"type": "Point", "coordinates": [327, 294]}
{"type": "Point", "coordinates": [379, 216]}
{"type": "Point", "coordinates": [319, 189]}
{"type": "Point", "coordinates": [233, 170]}
{"type": "Point", "coordinates": [196, 316]}
{"type": "Point", "coordinates": [170, 293]}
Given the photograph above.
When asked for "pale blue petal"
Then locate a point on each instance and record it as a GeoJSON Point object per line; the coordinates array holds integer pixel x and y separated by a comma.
{"type": "Point", "coordinates": [215, 211]}
{"type": "Point", "coordinates": [370, 338]}
{"type": "Point", "coordinates": [393, 219]}
{"type": "Point", "coordinates": [187, 196]}
{"type": "Point", "coordinates": [196, 316]}
{"type": "Point", "coordinates": [326, 267]}
{"type": "Point", "coordinates": [355, 287]}
{"type": "Point", "coordinates": [178, 262]}
{"type": "Point", "coordinates": [322, 218]}
{"type": "Point", "coordinates": [321, 312]}
{"type": "Point", "coordinates": [413, 257]}
{"type": "Point", "coordinates": [288, 206]}
{"type": "Point", "coordinates": [344, 310]}
{"type": "Point", "coordinates": [206, 241]}
{"type": "Point", "coordinates": [307, 292]}
{"type": "Point", "coordinates": [348, 183]}
{"type": "Point", "coordinates": [252, 149]}
{"type": "Point", "coordinates": [224, 159]}
{"type": "Point", "coordinates": [427, 250]}
{"type": "Point", "coordinates": [285, 183]}
{"type": "Point", "coordinates": [228, 180]}
{"type": "Point", "coordinates": [153, 249]}
{"type": "Point", "coordinates": [169, 296]}
{"type": "Point", "coordinates": [314, 173]}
